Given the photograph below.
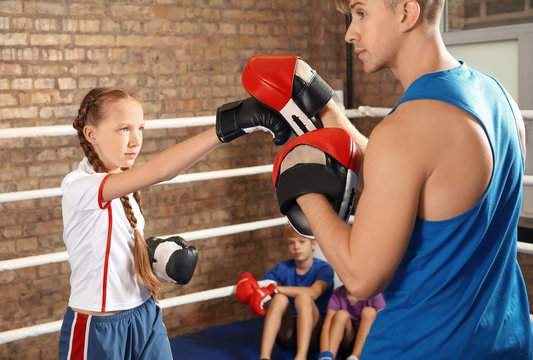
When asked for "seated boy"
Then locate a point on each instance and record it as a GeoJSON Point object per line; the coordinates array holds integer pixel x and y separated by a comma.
{"type": "Point", "coordinates": [295, 314]}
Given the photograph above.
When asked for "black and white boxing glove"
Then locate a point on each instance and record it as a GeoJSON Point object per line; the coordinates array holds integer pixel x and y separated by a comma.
{"type": "Point", "coordinates": [249, 115]}
{"type": "Point", "coordinates": [172, 260]}
{"type": "Point", "coordinates": [324, 161]}
{"type": "Point", "coordinates": [290, 86]}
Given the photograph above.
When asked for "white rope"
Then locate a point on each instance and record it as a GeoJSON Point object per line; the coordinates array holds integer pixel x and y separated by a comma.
{"type": "Point", "coordinates": [64, 130]}
{"type": "Point", "coordinates": [182, 178]}
{"type": "Point", "coordinates": [30, 261]}
{"type": "Point", "coordinates": [30, 331]}
{"type": "Point", "coordinates": [55, 326]}
{"type": "Point", "coordinates": [204, 295]}
{"type": "Point", "coordinates": [527, 115]}
{"type": "Point", "coordinates": [525, 248]}
{"type": "Point", "coordinates": [37, 330]}
{"type": "Point", "coordinates": [67, 130]}
{"type": "Point", "coordinates": [367, 111]}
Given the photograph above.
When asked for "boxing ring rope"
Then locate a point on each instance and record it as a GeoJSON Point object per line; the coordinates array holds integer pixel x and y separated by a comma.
{"type": "Point", "coordinates": [183, 178]}
{"type": "Point", "coordinates": [31, 261]}
{"type": "Point", "coordinates": [50, 327]}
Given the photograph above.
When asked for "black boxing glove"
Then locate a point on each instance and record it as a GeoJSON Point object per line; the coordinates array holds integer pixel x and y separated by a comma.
{"type": "Point", "coordinates": [324, 161]}
{"type": "Point", "coordinates": [172, 260]}
{"type": "Point", "coordinates": [249, 115]}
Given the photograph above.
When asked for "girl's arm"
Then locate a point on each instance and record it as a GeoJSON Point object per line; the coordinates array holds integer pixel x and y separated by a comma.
{"type": "Point", "coordinates": [164, 166]}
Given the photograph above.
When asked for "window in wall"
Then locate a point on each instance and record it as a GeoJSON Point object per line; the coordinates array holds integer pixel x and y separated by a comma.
{"type": "Point", "coordinates": [475, 14]}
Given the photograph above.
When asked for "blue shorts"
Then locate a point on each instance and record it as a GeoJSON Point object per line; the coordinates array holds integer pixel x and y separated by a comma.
{"type": "Point", "coordinates": [137, 333]}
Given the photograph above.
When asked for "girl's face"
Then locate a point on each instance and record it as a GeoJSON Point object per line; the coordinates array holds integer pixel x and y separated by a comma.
{"type": "Point", "coordinates": [301, 248]}
{"type": "Point", "coordinates": [118, 137]}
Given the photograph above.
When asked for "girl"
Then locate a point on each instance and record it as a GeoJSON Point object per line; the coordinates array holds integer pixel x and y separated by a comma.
{"type": "Point", "coordinates": [112, 312]}
{"type": "Point", "coordinates": [347, 324]}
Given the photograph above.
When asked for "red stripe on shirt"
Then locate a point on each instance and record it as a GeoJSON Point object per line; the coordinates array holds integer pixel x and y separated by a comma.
{"type": "Point", "coordinates": [107, 251]}
{"type": "Point", "coordinates": [100, 192]}
{"type": "Point", "coordinates": [109, 233]}
{"type": "Point", "coordinates": [77, 351]}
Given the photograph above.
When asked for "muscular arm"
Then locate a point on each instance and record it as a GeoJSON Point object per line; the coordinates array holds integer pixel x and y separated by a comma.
{"type": "Point", "coordinates": [164, 166]}
{"type": "Point", "coordinates": [314, 290]}
{"type": "Point", "coordinates": [366, 256]}
{"type": "Point", "coordinates": [332, 116]}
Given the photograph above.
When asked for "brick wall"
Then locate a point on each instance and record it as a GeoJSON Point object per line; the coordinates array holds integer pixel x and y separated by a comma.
{"type": "Point", "coordinates": [185, 58]}
{"type": "Point", "coordinates": [475, 14]}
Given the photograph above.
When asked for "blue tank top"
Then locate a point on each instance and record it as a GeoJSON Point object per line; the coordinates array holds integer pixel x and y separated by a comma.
{"type": "Point", "coordinates": [458, 292]}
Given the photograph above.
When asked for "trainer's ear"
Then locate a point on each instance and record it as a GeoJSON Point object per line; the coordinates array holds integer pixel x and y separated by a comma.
{"type": "Point", "coordinates": [410, 13]}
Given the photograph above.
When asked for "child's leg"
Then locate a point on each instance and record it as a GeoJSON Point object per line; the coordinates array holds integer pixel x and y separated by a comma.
{"type": "Point", "coordinates": [276, 311]}
{"type": "Point", "coordinates": [368, 314]}
{"type": "Point", "coordinates": [341, 331]}
{"type": "Point", "coordinates": [308, 324]}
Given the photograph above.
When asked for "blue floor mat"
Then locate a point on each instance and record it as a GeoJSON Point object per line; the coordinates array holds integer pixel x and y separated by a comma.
{"type": "Point", "coordinates": [236, 341]}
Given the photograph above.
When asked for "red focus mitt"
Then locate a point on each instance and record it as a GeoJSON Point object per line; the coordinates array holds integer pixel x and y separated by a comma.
{"type": "Point", "coordinates": [261, 297]}
{"type": "Point", "coordinates": [324, 161]}
{"type": "Point", "coordinates": [289, 85]}
{"type": "Point", "coordinates": [246, 286]}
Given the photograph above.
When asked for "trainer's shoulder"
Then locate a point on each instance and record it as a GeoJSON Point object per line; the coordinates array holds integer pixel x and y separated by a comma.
{"type": "Point", "coordinates": [415, 119]}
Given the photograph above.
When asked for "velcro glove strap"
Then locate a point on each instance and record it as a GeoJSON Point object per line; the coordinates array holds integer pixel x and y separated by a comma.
{"type": "Point", "coordinates": [226, 127]}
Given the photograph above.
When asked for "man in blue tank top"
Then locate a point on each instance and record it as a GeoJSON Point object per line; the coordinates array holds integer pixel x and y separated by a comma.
{"type": "Point", "coordinates": [435, 227]}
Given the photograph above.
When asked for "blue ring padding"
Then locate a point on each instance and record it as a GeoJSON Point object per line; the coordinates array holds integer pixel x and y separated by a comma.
{"type": "Point", "coordinates": [239, 340]}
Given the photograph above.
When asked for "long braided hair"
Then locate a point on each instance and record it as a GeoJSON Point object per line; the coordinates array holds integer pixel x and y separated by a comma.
{"type": "Point", "coordinates": [91, 112]}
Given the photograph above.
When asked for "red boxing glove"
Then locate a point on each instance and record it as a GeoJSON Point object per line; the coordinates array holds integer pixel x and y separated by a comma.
{"type": "Point", "coordinates": [290, 86]}
{"type": "Point", "coordinates": [260, 297]}
{"type": "Point", "coordinates": [246, 286]}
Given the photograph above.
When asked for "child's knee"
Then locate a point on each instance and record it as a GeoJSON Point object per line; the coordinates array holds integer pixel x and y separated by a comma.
{"type": "Point", "coordinates": [279, 301]}
{"type": "Point", "coordinates": [341, 316]}
{"type": "Point", "coordinates": [303, 301]}
{"type": "Point", "coordinates": [368, 313]}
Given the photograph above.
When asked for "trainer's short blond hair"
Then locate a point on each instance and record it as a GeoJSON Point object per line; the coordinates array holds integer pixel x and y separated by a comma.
{"type": "Point", "coordinates": [431, 9]}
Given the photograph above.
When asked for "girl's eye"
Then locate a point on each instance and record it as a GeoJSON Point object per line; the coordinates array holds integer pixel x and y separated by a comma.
{"type": "Point", "coordinates": [361, 15]}
{"type": "Point", "coordinates": [124, 129]}
{"type": "Point", "coordinates": [141, 129]}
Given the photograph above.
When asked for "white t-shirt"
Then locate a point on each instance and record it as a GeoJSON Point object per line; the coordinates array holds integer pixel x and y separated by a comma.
{"type": "Point", "coordinates": [101, 280]}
